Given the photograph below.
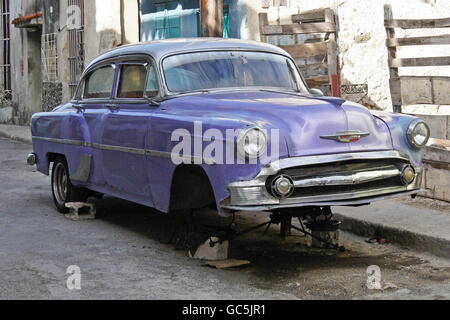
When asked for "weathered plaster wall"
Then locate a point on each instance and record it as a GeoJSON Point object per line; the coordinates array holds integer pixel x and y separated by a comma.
{"type": "Point", "coordinates": [25, 64]}
{"type": "Point", "coordinates": [17, 61]}
{"type": "Point", "coordinates": [30, 6]}
{"type": "Point", "coordinates": [362, 36]}
{"type": "Point", "coordinates": [130, 16]}
{"type": "Point", "coordinates": [102, 27]}
{"type": "Point", "coordinates": [34, 74]}
{"type": "Point", "coordinates": [108, 24]}
{"type": "Point", "coordinates": [63, 52]}
{"type": "Point", "coordinates": [106, 27]}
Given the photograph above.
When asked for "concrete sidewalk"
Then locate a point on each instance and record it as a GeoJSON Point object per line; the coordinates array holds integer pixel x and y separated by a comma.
{"type": "Point", "coordinates": [18, 133]}
{"type": "Point", "coordinates": [415, 227]}
{"type": "Point", "coordinates": [418, 228]}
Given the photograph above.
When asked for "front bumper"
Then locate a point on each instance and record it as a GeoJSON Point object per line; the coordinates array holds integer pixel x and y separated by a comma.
{"type": "Point", "coordinates": [329, 180]}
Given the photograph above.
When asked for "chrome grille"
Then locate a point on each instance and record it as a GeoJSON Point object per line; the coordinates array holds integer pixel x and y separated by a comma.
{"type": "Point", "coordinates": [345, 178]}
{"type": "Point", "coordinates": [327, 180]}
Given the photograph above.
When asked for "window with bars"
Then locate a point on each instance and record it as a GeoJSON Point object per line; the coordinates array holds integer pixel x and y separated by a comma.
{"type": "Point", "coordinates": [49, 58]}
{"type": "Point", "coordinates": [76, 48]}
{"type": "Point", "coordinates": [5, 53]}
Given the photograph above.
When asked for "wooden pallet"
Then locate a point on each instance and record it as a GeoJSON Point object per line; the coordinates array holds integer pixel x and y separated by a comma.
{"type": "Point", "coordinates": [315, 54]}
{"type": "Point", "coordinates": [416, 90]}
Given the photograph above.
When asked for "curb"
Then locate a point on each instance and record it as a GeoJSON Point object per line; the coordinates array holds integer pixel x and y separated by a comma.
{"type": "Point", "coordinates": [437, 246]}
{"type": "Point", "coordinates": [15, 138]}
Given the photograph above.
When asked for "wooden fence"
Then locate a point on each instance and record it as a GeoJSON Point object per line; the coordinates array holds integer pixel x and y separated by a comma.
{"type": "Point", "coordinates": [421, 89]}
{"type": "Point", "coordinates": [317, 55]}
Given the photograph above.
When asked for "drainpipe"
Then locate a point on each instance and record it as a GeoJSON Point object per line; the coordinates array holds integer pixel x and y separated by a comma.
{"type": "Point", "coordinates": [211, 18]}
{"type": "Point", "coordinates": [122, 23]}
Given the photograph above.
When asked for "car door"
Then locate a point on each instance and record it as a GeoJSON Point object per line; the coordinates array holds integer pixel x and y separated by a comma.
{"type": "Point", "coordinates": [125, 129]}
{"type": "Point", "coordinates": [96, 91]}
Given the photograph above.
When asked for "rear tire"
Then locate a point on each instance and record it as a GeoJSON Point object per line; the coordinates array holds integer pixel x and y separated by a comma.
{"type": "Point", "coordinates": [62, 188]}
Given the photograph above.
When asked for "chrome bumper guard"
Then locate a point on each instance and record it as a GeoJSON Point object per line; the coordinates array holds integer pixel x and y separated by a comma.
{"type": "Point", "coordinates": [350, 184]}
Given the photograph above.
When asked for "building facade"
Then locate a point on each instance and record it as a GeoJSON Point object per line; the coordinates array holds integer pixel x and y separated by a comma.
{"type": "Point", "coordinates": [45, 44]}
{"type": "Point", "coordinates": [163, 19]}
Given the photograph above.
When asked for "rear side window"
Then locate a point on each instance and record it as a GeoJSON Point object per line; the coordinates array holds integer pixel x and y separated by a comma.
{"type": "Point", "coordinates": [137, 81]}
{"type": "Point", "coordinates": [100, 83]}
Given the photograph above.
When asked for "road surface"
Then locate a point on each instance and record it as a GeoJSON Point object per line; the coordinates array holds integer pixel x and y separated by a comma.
{"type": "Point", "coordinates": [123, 255]}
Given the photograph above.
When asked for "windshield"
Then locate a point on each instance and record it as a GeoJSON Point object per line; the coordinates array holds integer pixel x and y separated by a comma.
{"type": "Point", "coordinates": [230, 69]}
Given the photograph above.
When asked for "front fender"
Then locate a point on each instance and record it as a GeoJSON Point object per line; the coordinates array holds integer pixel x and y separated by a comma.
{"type": "Point", "coordinates": [222, 172]}
{"type": "Point", "coordinates": [398, 126]}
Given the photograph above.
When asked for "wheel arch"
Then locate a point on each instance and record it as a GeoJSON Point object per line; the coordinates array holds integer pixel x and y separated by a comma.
{"type": "Point", "coordinates": [190, 189]}
{"type": "Point", "coordinates": [51, 157]}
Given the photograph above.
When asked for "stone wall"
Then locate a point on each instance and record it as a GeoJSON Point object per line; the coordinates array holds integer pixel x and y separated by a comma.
{"type": "Point", "coordinates": [437, 171]}
{"type": "Point", "coordinates": [6, 108]}
{"type": "Point", "coordinates": [51, 95]}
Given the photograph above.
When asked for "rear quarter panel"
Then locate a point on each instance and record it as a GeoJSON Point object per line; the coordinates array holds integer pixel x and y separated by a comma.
{"type": "Point", "coordinates": [63, 125]}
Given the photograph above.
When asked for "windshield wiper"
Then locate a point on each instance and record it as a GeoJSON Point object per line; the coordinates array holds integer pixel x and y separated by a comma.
{"type": "Point", "coordinates": [334, 100]}
{"type": "Point", "coordinates": [291, 92]}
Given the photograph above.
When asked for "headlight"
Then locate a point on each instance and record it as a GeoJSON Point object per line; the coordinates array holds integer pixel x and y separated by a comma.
{"type": "Point", "coordinates": [418, 133]}
{"type": "Point", "coordinates": [252, 143]}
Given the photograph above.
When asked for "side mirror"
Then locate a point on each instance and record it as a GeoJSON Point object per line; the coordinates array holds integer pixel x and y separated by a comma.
{"type": "Point", "coordinates": [316, 92]}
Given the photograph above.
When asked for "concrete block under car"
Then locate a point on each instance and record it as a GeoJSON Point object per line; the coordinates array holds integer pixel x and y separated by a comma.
{"type": "Point", "coordinates": [212, 250]}
{"type": "Point", "coordinates": [328, 232]}
{"type": "Point", "coordinates": [81, 211]}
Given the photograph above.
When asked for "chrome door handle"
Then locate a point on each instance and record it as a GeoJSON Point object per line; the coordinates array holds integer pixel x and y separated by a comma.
{"type": "Point", "coordinates": [112, 107]}
{"type": "Point", "coordinates": [79, 107]}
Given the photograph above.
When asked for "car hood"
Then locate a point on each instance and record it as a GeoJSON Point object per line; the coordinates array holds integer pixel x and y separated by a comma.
{"type": "Point", "coordinates": [302, 120]}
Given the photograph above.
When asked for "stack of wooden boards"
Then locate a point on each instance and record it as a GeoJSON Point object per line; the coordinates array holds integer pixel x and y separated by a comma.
{"type": "Point", "coordinates": [311, 40]}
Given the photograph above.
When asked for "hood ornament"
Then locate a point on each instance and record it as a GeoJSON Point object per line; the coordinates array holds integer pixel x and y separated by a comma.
{"type": "Point", "coordinates": [347, 136]}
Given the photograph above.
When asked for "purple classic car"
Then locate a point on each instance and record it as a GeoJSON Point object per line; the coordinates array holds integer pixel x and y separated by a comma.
{"type": "Point", "coordinates": [184, 124]}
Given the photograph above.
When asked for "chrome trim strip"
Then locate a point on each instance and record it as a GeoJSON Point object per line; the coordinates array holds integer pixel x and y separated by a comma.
{"type": "Point", "coordinates": [142, 152]}
{"type": "Point", "coordinates": [117, 148]}
{"type": "Point", "coordinates": [357, 202]}
{"type": "Point", "coordinates": [347, 178]}
{"type": "Point", "coordinates": [323, 159]}
{"type": "Point", "coordinates": [350, 195]}
{"type": "Point", "coordinates": [63, 141]}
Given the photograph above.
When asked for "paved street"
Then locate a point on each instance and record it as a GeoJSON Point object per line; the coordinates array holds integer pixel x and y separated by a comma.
{"type": "Point", "coordinates": [123, 255]}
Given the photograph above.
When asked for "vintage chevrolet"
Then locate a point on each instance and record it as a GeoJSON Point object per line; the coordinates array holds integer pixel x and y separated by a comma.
{"type": "Point", "coordinates": [121, 133]}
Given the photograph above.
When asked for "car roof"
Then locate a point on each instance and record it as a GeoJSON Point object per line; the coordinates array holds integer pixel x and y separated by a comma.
{"type": "Point", "coordinates": [161, 48]}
